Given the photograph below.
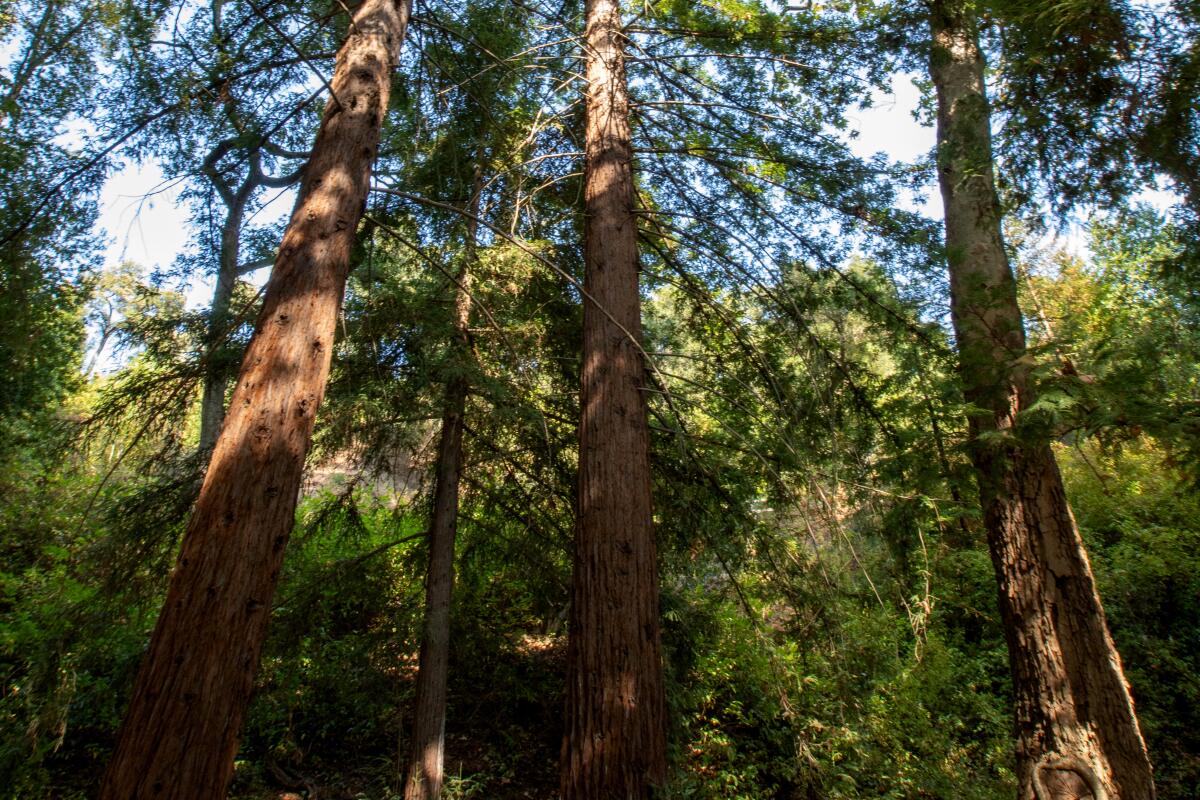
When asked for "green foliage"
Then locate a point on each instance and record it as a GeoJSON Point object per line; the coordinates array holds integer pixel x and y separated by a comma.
{"type": "Point", "coordinates": [78, 592]}
{"type": "Point", "coordinates": [856, 706]}
{"type": "Point", "coordinates": [1141, 520]}
{"type": "Point", "coordinates": [1128, 328]}
{"type": "Point", "coordinates": [339, 632]}
{"type": "Point", "coordinates": [730, 694]}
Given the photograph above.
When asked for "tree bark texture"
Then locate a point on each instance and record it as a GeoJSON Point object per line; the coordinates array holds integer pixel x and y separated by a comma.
{"type": "Point", "coordinates": [614, 741]}
{"type": "Point", "coordinates": [180, 733]}
{"type": "Point", "coordinates": [1077, 736]}
{"type": "Point", "coordinates": [427, 750]}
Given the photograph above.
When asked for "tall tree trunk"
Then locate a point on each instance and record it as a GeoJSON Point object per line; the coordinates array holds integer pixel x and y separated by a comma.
{"type": "Point", "coordinates": [212, 402]}
{"type": "Point", "coordinates": [1077, 734]}
{"type": "Point", "coordinates": [180, 733]}
{"type": "Point", "coordinates": [425, 764]}
{"type": "Point", "coordinates": [614, 742]}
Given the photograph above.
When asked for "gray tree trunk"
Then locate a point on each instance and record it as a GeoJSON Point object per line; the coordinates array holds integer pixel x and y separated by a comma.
{"type": "Point", "coordinates": [216, 379]}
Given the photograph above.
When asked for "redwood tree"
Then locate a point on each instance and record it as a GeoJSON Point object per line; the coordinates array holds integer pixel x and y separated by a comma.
{"type": "Point", "coordinates": [180, 733]}
{"type": "Point", "coordinates": [1077, 734]}
{"type": "Point", "coordinates": [614, 742]}
{"type": "Point", "coordinates": [427, 749]}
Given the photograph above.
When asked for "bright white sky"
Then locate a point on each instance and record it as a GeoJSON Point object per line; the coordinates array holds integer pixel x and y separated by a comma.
{"type": "Point", "coordinates": [141, 213]}
{"type": "Point", "coordinates": [149, 229]}
{"type": "Point", "coordinates": [889, 127]}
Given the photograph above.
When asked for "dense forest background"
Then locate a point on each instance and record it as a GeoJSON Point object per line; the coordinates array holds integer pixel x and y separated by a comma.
{"type": "Point", "coordinates": [828, 608]}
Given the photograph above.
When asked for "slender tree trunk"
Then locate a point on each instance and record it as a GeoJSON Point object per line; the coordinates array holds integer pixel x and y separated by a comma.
{"type": "Point", "coordinates": [1077, 734]}
{"type": "Point", "coordinates": [212, 402]}
{"type": "Point", "coordinates": [181, 731]}
{"type": "Point", "coordinates": [427, 753]}
{"type": "Point", "coordinates": [614, 743]}
{"type": "Point", "coordinates": [95, 360]}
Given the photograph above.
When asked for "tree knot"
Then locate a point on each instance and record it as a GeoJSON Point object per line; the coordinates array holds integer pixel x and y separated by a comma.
{"type": "Point", "coordinates": [1055, 774]}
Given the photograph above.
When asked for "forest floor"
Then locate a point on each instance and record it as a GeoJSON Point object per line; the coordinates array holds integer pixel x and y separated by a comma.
{"type": "Point", "coordinates": [499, 744]}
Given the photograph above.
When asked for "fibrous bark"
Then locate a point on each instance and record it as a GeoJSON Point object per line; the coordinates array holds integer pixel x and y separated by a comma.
{"type": "Point", "coordinates": [181, 731]}
{"type": "Point", "coordinates": [427, 750]}
{"type": "Point", "coordinates": [614, 742]}
{"type": "Point", "coordinates": [1077, 734]}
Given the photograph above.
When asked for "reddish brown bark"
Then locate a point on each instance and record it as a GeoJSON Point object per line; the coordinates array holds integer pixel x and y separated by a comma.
{"type": "Point", "coordinates": [181, 731]}
{"type": "Point", "coordinates": [614, 742]}
{"type": "Point", "coordinates": [427, 752]}
{"type": "Point", "coordinates": [1077, 734]}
